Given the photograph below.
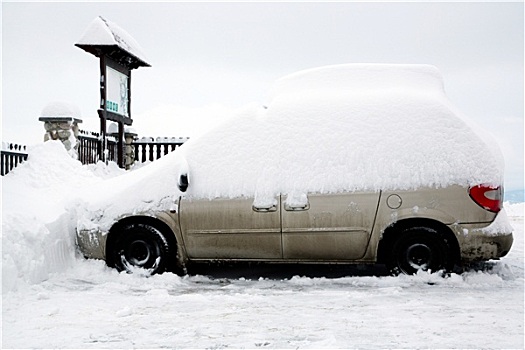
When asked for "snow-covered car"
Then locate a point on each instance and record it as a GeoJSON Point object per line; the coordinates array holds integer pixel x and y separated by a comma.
{"type": "Point", "coordinates": [351, 164]}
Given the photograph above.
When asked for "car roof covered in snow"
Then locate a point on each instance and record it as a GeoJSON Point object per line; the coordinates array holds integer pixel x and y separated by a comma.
{"type": "Point", "coordinates": [354, 127]}
{"type": "Point", "coordinates": [363, 78]}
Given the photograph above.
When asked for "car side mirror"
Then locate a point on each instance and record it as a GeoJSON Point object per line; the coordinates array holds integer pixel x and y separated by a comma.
{"type": "Point", "coordinates": [183, 182]}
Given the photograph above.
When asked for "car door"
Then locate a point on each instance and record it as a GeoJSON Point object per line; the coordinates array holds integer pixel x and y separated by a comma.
{"type": "Point", "coordinates": [231, 229]}
{"type": "Point", "coordinates": [334, 227]}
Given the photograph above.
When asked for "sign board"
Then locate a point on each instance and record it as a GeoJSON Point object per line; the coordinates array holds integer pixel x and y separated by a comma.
{"type": "Point", "coordinates": [117, 98]}
{"type": "Point", "coordinates": [119, 53]}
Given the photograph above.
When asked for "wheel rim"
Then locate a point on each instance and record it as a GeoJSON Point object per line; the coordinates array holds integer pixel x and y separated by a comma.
{"type": "Point", "coordinates": [140, 253]}
{"type": "Point", "coordinates": [418, 256]}
{"type": "Point", "coordinates": [420, 249]}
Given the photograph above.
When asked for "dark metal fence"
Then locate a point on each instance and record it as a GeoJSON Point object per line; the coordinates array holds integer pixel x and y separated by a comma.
{"type": "Point", "coordinates": [146, 148]}
{"type": "Point", "coordinates": [90, 144]}
{"type": "Point", "coordinates": [149, 149]}
{"type": "Point", "coordinates": [11, 157]}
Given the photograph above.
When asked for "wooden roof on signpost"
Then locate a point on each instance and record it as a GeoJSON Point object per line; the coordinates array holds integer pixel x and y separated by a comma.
{"type": "Point", "coordinates": [103, 37]}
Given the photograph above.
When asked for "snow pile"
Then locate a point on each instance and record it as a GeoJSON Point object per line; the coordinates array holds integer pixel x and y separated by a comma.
{"type": "Point", "coordinates": [48, 167]}
{"type": "Point", "coordinates": [344, 128]}
{"type": "Point", "coordinates": [37, 230]}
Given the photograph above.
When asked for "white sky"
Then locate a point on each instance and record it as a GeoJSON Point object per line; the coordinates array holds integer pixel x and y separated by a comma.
{"type": "Point", "coordinates": [210, 57]}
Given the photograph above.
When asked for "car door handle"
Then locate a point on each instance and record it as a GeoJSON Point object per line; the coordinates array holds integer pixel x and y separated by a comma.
{"type": "Point", "coordinates": [295, 207]}
{"type": "Point", "coordinates": [265, 209]}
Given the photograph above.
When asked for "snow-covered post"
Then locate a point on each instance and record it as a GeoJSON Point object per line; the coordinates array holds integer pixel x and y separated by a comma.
{"type": "Point", "coordinates": [129, 136]}
{"type": "Point", "coordinates": [129, 151]}
{"type": "Point", "coordinates": [61, 123]}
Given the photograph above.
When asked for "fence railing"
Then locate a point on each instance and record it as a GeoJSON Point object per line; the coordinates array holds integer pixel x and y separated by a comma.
{"type": "Point", "coordinates": [146, 149]}
{"type": "Point", "coordinates": [11, 156]}
{"type": "Point", "coordinates": [90, 144]}
{"type": "Point", "coordinates": [149, 149]}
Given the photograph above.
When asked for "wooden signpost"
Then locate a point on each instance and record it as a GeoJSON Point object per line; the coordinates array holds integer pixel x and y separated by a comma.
{"type": "Point", "coordinates": [119, 53]}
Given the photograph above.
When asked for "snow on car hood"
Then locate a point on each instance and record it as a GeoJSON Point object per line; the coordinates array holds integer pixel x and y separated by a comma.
{"type": "Point", "coordinates": [144, 191]}
{"type": "Point", "coordinates": [345, 128]}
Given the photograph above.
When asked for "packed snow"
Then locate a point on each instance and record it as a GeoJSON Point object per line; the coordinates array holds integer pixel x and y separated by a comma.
{"type": "Point", "coordinates": [54, 298]}
{"type": "Point", "coordinates": [36, 227]}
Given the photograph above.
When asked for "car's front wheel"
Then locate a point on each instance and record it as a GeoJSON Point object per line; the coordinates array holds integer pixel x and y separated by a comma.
{"type": "Point", "coordinates": [419, 249]}
{"type": "Point", "coordinates": [139, 248]}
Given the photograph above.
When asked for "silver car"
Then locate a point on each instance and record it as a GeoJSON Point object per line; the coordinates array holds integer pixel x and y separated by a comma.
{"type": "Point", "coordinates": [357, 228]}
{"type": "Point", "coordinates": [368, 189]}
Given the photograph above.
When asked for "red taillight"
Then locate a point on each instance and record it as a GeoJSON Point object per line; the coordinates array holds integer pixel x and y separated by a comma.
{"type": "Point", "coordinates": [487, 197]}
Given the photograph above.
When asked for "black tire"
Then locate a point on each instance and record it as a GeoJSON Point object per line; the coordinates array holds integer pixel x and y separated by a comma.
{"type": "Point", "coordinates": [139, 248]}
{"type": "Point", "coordinates": [419, 248]}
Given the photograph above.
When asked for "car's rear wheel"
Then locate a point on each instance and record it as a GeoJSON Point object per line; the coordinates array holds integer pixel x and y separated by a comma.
{"type": "Point", "coordinates": [419, 249]}
{"type": "Point", "coordinates": [139, 248]}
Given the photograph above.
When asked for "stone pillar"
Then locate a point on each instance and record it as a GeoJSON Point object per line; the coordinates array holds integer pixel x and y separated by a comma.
{"type": "Point", "coordinates": [129, 136]}
{"type": "Point", "coordinates": [64, 129]}
{"type": "Point", "coordinates": [129, 150]}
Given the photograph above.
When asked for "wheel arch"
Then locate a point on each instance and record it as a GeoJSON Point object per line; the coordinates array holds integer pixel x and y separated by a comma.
{"type": "Point", "coordinates": [392, 232]}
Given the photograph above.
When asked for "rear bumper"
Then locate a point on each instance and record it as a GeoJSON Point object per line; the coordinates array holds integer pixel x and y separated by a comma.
{"type": "Point", "coordinates": [492, 241]}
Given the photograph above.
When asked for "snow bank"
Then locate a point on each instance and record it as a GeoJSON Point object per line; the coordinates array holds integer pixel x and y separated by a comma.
{"type": "Point", "coordinates": [344, 128]}
{"type": "Point", "coordinates": [48, 167]}
{"type": "Point", "coordinates": [37, 230]}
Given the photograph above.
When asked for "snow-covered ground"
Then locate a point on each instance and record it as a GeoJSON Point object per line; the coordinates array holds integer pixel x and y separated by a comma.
{"type": "Point", "coordinates": [52, 298]}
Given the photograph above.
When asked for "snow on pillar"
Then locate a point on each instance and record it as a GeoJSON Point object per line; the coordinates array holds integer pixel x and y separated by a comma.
{"type": "Point", "coordinates": [61, 123]}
